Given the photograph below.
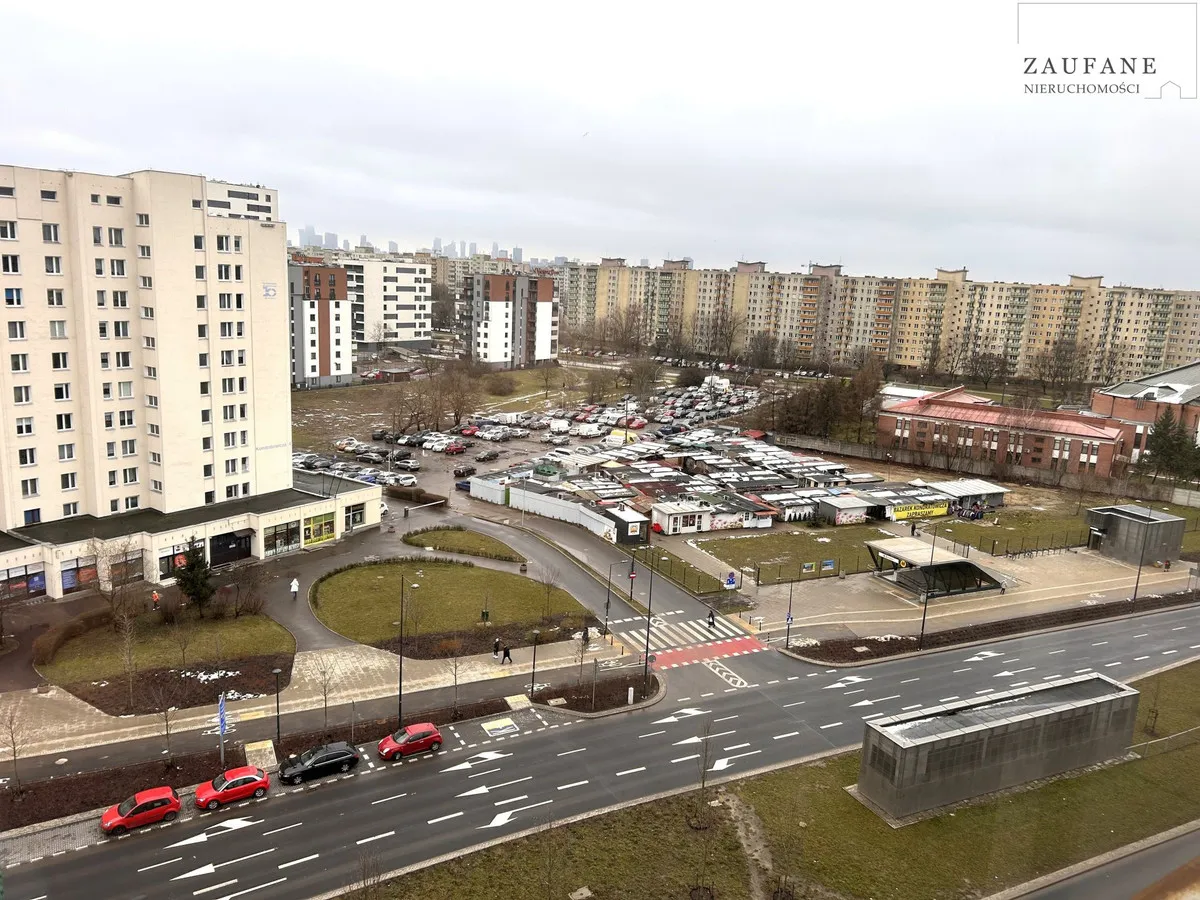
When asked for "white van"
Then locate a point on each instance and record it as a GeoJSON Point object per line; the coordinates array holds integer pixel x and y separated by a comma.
{"type": "Point", "coordinates": [560, 426]}
{"type": "Point", "coordinates": [589, 429]}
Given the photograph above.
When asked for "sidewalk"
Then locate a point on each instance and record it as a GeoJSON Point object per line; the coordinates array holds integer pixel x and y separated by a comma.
{"type": "Point", "coordinates": [57, 721]}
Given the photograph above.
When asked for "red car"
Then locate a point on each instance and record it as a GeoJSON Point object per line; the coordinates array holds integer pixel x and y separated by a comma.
{"type": "Point", "coordinates": [160, 804]}
{"type": "Point", "coordinates": [454, 448]}
{"type": "Point", "coordinates": [411, 739]}
{"type": "Point", "coordinates": [236, 784]}
{"type": "Point", "coordinates": [470, 430]}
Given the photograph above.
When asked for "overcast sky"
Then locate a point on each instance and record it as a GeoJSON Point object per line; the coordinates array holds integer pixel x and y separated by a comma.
{"type": "Point", "coordinates": [890, 137]}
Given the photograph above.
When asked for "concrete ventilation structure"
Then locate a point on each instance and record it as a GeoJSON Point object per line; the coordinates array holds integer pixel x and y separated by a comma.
{"type": "Point", "coordinates": [1135, 534]}
{"type": "Point", "coordinates": [929, 758]}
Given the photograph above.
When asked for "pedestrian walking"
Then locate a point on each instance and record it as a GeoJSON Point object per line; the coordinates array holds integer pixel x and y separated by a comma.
{"type": "Point", "coordinates": [912, 529]}
{"type": "Point", "coordinates": [295, 588]}
{"type": "Point", "coordinates": [712, 620]}
{"type": "Point", "coordinates": [507, 655]}
{"type": "Point", "coordinates": [496, 649]}
{"type": "Point", "coordinates": [154, 598]}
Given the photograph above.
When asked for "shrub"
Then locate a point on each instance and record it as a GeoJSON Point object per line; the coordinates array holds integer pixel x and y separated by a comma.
{"type": "Point", "coordinates": [47, 645]}
{"type": "Point", "coordinates": [500, 384]}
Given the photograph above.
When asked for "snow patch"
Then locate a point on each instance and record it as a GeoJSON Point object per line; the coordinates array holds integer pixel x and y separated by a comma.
{"type": "Point", "coordinates": [824, 540]}
{"type": "Point", "coordinates": [892, 637]}
{"type": "Point", "coordinates": [209, 676]}
{"type": "Point", "coordinates": [805, 642]}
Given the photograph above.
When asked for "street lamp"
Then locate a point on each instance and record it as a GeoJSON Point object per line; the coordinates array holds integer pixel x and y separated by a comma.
{"type": "Point", "coordinates": [787, 641]}
{"type": "Point", "coordinates": [533, 676]}
{"type": "Point", "coordinates": [608, 595]}
{"type": "Point", "coordinates": [646, 661]}
{"type": "Point", "coordinates": [1141, 557]}
{"type": "Point", "coordinates": [400, 677]}
{"type": "Point", "coordinates": [277, 673]}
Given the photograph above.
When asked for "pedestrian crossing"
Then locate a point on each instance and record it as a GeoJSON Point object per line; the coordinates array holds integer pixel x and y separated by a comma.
{"type": "Point", "coordinates": [666, 634]}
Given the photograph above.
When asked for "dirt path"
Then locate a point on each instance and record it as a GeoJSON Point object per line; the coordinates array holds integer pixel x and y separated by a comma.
{"type": "Point", "coordinates": [753, 839]}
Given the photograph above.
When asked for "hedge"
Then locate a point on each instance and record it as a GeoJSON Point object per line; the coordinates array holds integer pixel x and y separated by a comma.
{"type": "Point", "coordinates": [47, 645]}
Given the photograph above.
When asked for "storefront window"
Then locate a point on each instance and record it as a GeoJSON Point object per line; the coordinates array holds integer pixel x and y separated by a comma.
{"type": "Point", "coordinates": [281, 538]}
{"type": "Point", "coordinates": [23, 581]}
{"type": "Point", "coordinates": [171, 558]}
{"type": "Point", "coordinates": [318, 528]}
{"type": "Point", "coordinates": [78, 574]}
{"type": "Point", "coordinates": [355, 515]}
{"type": "Point", "coordinates": [128, 570]}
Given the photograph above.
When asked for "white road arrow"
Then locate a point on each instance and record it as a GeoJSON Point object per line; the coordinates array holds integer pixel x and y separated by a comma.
{"type": "Point", "coordinates": [873, 702]}
{"type": "Point", "coordinates": [725, 762]}
{"type": "Point", "coordinates": [505, 817]}
{"type": "Point", "coordinates": [209, 868]}
{"type": "Point", "coordinates": [1006, 673]}
{"type": "Point", "coordinates": [695, 739]}
{"type": "Point", "coordinates": [847, 681]}
{"type": "Point", "coordinates": [982, 655]}
{"type": "Point", "coordinates": [485, 756]}
{"type": "Point", "coordinates": [483, 788]}
{"type": "Point", "coordinates": [224, 828]}
{"type": "Point", "coordinates": [682, 714]}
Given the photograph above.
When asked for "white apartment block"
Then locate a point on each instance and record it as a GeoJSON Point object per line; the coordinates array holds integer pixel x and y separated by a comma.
{"type": "Point", "coordinates": [514, 320]}
{"type": "Point", "coordinates": [389, 295]}
{"type": "Point", "coordinates": [145, 374]}
{"type": "Point", "coordinates": [321, 315]}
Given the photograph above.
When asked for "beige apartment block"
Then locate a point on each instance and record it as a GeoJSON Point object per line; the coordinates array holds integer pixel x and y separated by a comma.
{"type": "Point", "coordinates": [146, 322]}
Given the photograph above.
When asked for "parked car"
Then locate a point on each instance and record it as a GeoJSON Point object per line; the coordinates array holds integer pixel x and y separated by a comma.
{"type": "Point", "coordinates": [401, 454]}
{"type": "Point", "coordinates": [327, 759]}
{"type": "Point", "coordinates": [404, 480]}
{"type": "Point", "coordinates": [160, 804]}
{"type": "Point", "coordinates": [235, 784]}
{"type": "Point", "coordinates": [462, 486]}
{"type": "Point", "coordinates": [380, 435]}
{"type": "Point", "coordinates": [371, 458]}
{"type": "Point", "coordinates": [470, 430]}
{"type": "Point", "coordinates": [487, 456]}
{"type": "Point", "coordinates": [383, 508]}
{"type": "Point", "coordinates": [411, 739]}
{"type": "Point", "coordinates": [453, 449]}
{"type": "Point", "coordinates": [407, 465]}
{"type": "Point", "coordinates": [464, 471]}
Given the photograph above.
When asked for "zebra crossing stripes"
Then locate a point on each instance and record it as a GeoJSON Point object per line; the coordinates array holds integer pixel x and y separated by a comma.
{"type": "Point", "coordinates": [674, 612]}
{"type": "Point", "coordinates": [664, 635]}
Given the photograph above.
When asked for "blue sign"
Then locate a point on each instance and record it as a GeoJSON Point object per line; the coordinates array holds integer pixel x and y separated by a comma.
{"type": "Point", "coordinates": [789, 619]}
{"type": "Point", "coordinates": [221, 713]}
{"type": "Point", "coordinates": [731, 580]}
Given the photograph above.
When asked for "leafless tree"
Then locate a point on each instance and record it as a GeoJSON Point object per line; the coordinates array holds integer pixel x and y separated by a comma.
{"type": "Point", "coordinates": [1110, 362]}
{"type": "Point", "coordinates": [549, 579]}
{"type": "Point", "coordinates": [727, 326]}
{"type": "Point", "coordinates": [164, 696]}
{"type": "Point", "coordinates": [378, 332]}
{"type": "Point", "coordinates": [760, 350]}
{"type": "Point", "coordinates": [598, 383]}
{"type": "Point", "coordinates": [127, 629]}
{"type": "Point", "coordinates": [985, 366]}
{"type": "Point", "coordinates": [455, 663]}
{"type": "Point", "coordinates": [700, 814]}
{"type": "Point", "coordinates": [247, 584]}
{"type": "Point", "coordinates": [115, 580]}
{"type": "Point", "coordinates": [415, 610]}
{"type": "Point", "coordinates": [548, 375]}
{"type": "Point", "coordinates": [370, 875]}
{"type": "Point", "coordinates": [580, 647]}
{"type": "Point", "coordinates": [460, 392]}
{"type": "Point", "coordinates": [325, 678]}
{"type": "Point", "coordinates": [12, 728]}
{"type": "Point", "coordinates": [641, 375]}
{"type": "Point", "coordinates": [182, 634]}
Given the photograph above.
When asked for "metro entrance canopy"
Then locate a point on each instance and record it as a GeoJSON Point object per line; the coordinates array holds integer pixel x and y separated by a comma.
{"type": "Point", "coordinates": [914, 565]}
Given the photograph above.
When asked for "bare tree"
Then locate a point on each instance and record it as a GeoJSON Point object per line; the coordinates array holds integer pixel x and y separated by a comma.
{"type": "Point", "coordinates": [164, 695]}
{"type": "Point", "coordinates": [415, 609]}
{"type": "Point", "coordinates": [455, 663]}
{"type": "Point", "coordinates": [760, 349]}
{"type": "Point", "coordinates": [325, 678]}
{"type": "Point", "coordinates": [116, 579]}
{"type": "Point", "coordinates": [1110, 362]}
{"type": "Point", "coordinates": [598, 383]}
{"type": "Point", "coordinates": [641, 375]}
{"type": "Point", "coordinates": [127, 629]}
{"type": "Point", "coordinates": [548, 376]}
{"type": "Point", "coordinates": [700, 811]}
{"type": "Point", "coordinates": [580, 647]}
{"type": "Point", "coordinates": [549, 579]}
{"type": "Point", "coordinates": [182, 634]}
{"type": "Point", "coordinates": [370, 875]}
{"type": "Point", "coordinates": [247, 584]}
{"type": "Point", "coordinates": [727, 326]}
{"type": "Point", "coordinates": [12, 728]}
{"type": "Point", "coordinates": [378, 332]}
{"type": "Point", "coordinates": [460, 392]}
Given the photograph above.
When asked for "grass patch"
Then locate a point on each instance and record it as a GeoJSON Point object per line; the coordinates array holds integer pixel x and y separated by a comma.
{"type": "Point", "coordinates": [459, 540]}
{"type": "Point", "coordinates": [633, 854]}
{"type": "Point", "coordinates": [363, 602]}
{"type": "Point", "coordinates": [98, 655]}
{"type": "Point", "coordinates": [678, 570]}
{"type": "Point", "coordinates": [780, 555]}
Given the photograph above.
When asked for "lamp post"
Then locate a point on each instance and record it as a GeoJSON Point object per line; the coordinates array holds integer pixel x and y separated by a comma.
{"type": "Point", "coordinates": [925, 598]}
{"type": "Point", "coordinates": [608, 595]}
{"type": "Point", "coordinates": [277, 673]}
{"type": "Point", "coordinates": [646, 661]}
{"type": "Point", "coordinates": [400, 679]}
{"type": "Point", "coordinates": [1141, 558]}
{"type": "Point", "coordinates": [533, 676]}
{"type": "Point", "coordinates": [787, 641]}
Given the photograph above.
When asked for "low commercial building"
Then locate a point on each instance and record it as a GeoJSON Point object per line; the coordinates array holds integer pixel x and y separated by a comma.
{"type": "Point", "coordinates": [929, 758]}
{"type": "Point", "coordinates": [969, 492]}
{"type": "Point", "coordinates": [844, 510]}
{"type": "Point", "coordinates": [1135, 534]}
{"type": "Point", "coordinates": [681, 517]}
{"type": "Point", "coordinates": [1134, 406]}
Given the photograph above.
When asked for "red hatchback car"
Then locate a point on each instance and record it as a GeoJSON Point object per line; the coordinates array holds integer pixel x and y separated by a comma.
{"type": "Point", "coordinates": [160, 804]}
{"type": "Point", "coordinates": [236, 784]}
{"type": "Point", "coordinates": [411, 739]}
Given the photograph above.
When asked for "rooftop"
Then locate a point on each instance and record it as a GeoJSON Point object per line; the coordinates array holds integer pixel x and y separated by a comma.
{"type": "Point", "coordinates": [1178, 385]}
{"type": "Point", "coordinates": [954, 406]}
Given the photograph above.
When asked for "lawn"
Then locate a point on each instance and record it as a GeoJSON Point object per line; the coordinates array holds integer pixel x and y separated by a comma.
{"type": "Point", "coordinates": [634, 854]}
{"type": "Point", "coordinates": [820, 836]}
{"type": "Point", "coordinates": [320, 417]}
{"type": "Point", "coordinates": [98, 655]}
{"type": "Point", "coordinates": [363, 603]}
{"type": "Point", "coordinates": [678, 570]}
{"type": "Point", "coordinates": [450, 540]}
{"type": "Point", "coordinates": [780, 555]}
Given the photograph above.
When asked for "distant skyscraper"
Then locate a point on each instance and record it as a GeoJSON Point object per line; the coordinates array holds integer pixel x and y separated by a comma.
{"type": "Point", "coordinates": [645, 262]}
{"type": "Point", "coordinates": [462, 248]}
{"type": "Point", "coordinates": [517, 253]}
{"type": "Point", "coordinates": [393, 247]}
{"type": "Point", "coordinates": [474, 249]}
{"type": "Point", "coordinates": [560, 260]}
{"type": "Point", "coordinates": [453, 251]}
{"type": "Point", "coordinates": [309, 237]}
{"type": "Point", "coordinates": [362, 241]}
{"type": "Point", "coordinates": [437, 246]}
{"type": "Point", "coordinates": [495, 250]}
{"type": "Point", "coordinates": [503, 254]}
{"type": "Point", "coordinates": [330, 241]}
{"type": "Point", "coordinates": [346, 244]}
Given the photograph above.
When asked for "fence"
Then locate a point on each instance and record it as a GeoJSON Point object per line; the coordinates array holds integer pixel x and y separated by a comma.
{"type": "Point", "coordinates": [1176, 741]}
{"type": "Point", "coordinates": [683, 573]}
{"type": "Point", "coordinates": [785, 573]}
{"type": "Point", "coordinates": [1037, 545]}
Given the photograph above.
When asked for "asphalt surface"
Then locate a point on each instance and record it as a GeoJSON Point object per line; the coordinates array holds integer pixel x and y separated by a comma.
{"type": "Point", "coordinates": [1127, 876]}
{"type": "Point", "coordinates": [758, 710]}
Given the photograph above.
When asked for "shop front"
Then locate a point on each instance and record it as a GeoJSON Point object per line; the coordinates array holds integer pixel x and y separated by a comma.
{"type": "Point", "coordinates": [20, 582]}
{"type": "Point", "coordinates": [281, 538]}
{"type": "Point", "coordinates": [319, 528]}
{"type": "Point", "coordinates": [78, 574]}
{"type": "Point", "coordinates": [230, 547]}
{"type": "Point", "coordinates": [172, 558]}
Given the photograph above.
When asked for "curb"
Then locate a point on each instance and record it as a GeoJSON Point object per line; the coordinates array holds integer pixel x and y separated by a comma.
{"type": "Point", "coordinates": [659, 696]}
{"type": "Point", "coordinates": [1079, 868]}
{"type": "Point", "coordinates": [984, 641]}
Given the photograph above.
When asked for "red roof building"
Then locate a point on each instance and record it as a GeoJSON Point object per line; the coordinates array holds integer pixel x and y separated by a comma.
{"type": "Point", "coordinates": [957, 424]}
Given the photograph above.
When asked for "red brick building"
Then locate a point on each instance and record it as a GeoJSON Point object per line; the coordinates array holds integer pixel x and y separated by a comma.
{"type": "Point", "coordinates": [959, 424]}
{"type": "Point", "coordinates": [1134, 406]}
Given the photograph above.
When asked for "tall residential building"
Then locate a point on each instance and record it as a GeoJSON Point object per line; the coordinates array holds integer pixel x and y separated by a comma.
{"type": "Point", "coordinates": [346, 244]}
{"type": "Point", "coordinates": [145, 398]}
{"type": "Point", "coordinates": [321, 317]}
{"type": "Point", "coordinates": [514, 320]}
{"type": "Point", "coordinates": [309, 237]}
{"type": "Point", "coordinates": [495, 249]}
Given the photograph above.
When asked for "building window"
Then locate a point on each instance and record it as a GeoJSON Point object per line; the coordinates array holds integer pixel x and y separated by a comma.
{"type": "Point", "coordinates": [156, 486]}
{"type": "Point", "coordinates": [58, 361]}
{"type": "Point", "coordinates": [64, 421]}
{"type": "Point", "coordinates": [120, 299]}
{"type": "Point", "coordinates": [24, 426]}
{"type": "Point", "coordinates": [19, 362]}
{"type": "Point", "coordinates": [22, 394]}
{"type": "Point", "coordinates": [222, 243]}
{"type": "Point", "coordinates": [131, 503]}
{"type": "Point", "coordinates": [8, 231]}
{"type": "Point", "coordinates": [130, 475]}
{"type": "Point", "coordinates": [147, 281]}
{"type": "Point", "coordinates": [29, 487]}
{"type": "Point", "coordinates": [66, 452]}
{"type": "Point", "coordinates": [112, 200]}
{"type": "Point", "coordinates": [121, 328]}
{"type": "Point", "coordinates": [200, 273]}
{"type": "Point", "coordinates": [143, 219]}
{"type": "Point", "coordinates": [143, 251]}
{"type": "Point", "coordinates": [27, 456]}
{"type": "Point", "coordinates": [49, 195]}
{"type": "Point", "coordinates": [12, 297]}
{"type": "Point", "coordinates": [49, 233]}
{"type": "Point", "coordinates": [223, 272]}
{"type": "Point", "coordinates": [53, 265]}
{"type": "Point", "coordinates": [116, 268]}
{"type": "Point", "coordinates": [62, 392]}
{"type": "Point", "coordinates": [147, 312]}
{"type": "Point", "coordinates": [123, 358]}
{"type": "Point", "coordinates": [116, 237]}
{"type": "Point", "coordinates": [58, 329]}
{"type": "Point", "coordinates": [33, 516]}
{"type": "Point", "coordinates": [16, 331]}
{"type": "Point", "coordinates": [70, 509]}
{"type": "Point", "coordinates": [54, 297]}
{"type": "Point", "coordinates": [67, 481]}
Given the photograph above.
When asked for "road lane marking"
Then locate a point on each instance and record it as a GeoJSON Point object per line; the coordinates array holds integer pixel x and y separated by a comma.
{"type": "Point", "coordinates": [494, 771]}
{"type": "Point", "coordinates": [948, 699]}
{"type": "Point", "coordinates": [296, 862]}
{"type": "Point", "coordinates": [215, 887]}
{"type": "Point", "coordinates": [632, 771]}
{"type": "Point", "coordinates": [1140, 658]}
{"type": "Point", "coordinates": [686, 758]}
{"type": "Point", "coordinates": [1081, 671]}
{"type": "Point", "coordinates": [651, 734]}
{"type": "Point", "coordinates": [568, 752]}
{"type": "Point", "coordinates": [1005, 662]}
{"type": "Point", "coordinates": [780, 737]}
{"type": "Point", "coordinates": [831, 725]}
{"type": "Point", "coordinates": [909, 680]}
{"type": "Point", "coordinates": [794, 678]}
{"type": "Point", "coordinates": [1052, 652]}
{"type": "Point", "coordinates": [443, 818]}
{"type": "Point", "coordinates": [257, 887]}
{"type": "Point", "coordinates": [505, 817]}
{"type": "Point", "coordinates": [1019, 684]}
{"type": "Point", "coordinates": [1169, 652]}
{"type": "Point", "coordinates": [572, 784]}
{"type": "Point", "coordinates": [855, 691]}
{"type": "Point", "coordinates": [511, 800]}
{"type": "Point", "coordinates": [722, 764]}
{"type": "Point", "coordinates": [377, 837]}
{"type": "Point", "coordinates": [1179, 628]}
{"type": "Point", "coordinates": [1110, 665]}
{"type": "Point", "coordinates": [725, 718]}
{"type": "Point", "coordinates": [797, 703]}
{"type": "Point", "coordinates": [1099, 643]}
{"type": "Point", "coordinates": [872, 716]}
{"type": "Point", "coordinates": [386, 799]}
{"type": "Point", "coordinates": [956, 671]}
{"type": "Point", "coordinates": [736, 747]}
{"type": "Point", "coordinates": [1141, 635]}
{"type": "Point", "coordinates": [166, 863]}
{"type": "Point", "coordinates": [284, 828]}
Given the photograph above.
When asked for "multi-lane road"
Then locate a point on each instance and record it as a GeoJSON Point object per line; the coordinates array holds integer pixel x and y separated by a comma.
{"type": "Point", "coordinates": [753, 710]}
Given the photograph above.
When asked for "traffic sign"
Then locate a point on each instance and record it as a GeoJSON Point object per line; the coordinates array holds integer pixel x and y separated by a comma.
{"type": "Point", "coordinates": [221, 713]}
{"type": "Point", "coordinates": [632, 575]}
{"type": "Point", "coordinates": [789, 618]}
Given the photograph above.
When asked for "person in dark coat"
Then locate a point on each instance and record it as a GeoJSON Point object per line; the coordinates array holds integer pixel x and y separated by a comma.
{"type": "Point", "coordinates": [507, 658]}
{"type": "Point", "coordinates": [496, 649]}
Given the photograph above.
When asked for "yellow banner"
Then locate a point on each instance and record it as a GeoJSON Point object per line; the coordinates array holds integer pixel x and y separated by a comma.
{"type": "Point", "coordinates": [919, 510]}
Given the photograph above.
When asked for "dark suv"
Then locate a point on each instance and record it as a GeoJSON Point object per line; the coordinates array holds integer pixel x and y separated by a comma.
{"type": "Point", "coordinates": [328, 759]}
{"type": "Point", "coordinates": [464, 471]}
{"type": "Point", "coordinates": [487, 456]}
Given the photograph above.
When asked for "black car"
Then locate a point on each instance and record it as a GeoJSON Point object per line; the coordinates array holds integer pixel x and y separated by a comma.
{"type": "Point", "coordinates": [328, 759]}
{"type": "Point", "coordinates": [401, 454]}
{"type": "Point", "coordinates": [487, 456]}
{"type": "Point", "coordinates": [380, 435]}
{"type": "Point", "coordinates": [464, 471]}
